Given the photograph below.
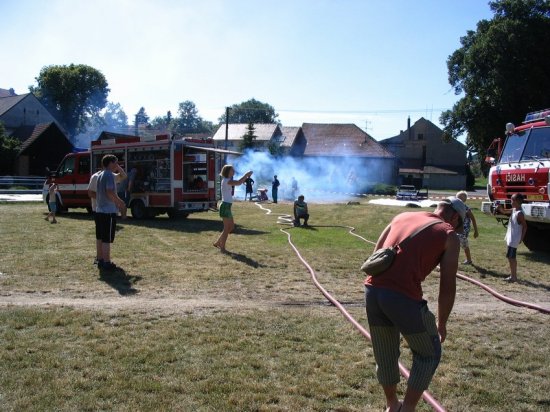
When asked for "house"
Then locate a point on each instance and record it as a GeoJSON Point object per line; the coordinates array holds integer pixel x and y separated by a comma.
{"type": "Point", "coordinates": [266, 133]}
{"type": "Point", "coordinates": [425, 159]}
{"type": "Point", "coordinates": [346, 155]}
{"type": "Point", "coordinates": [289, 136]}
{"type": "Point", "coordinates": [43, 146]}
{"type": "Point", "coordinates": [43, 142]}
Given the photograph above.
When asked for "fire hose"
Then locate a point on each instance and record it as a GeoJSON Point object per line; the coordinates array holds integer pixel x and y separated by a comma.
{"type": "Point", "coordinates": [285, 219]}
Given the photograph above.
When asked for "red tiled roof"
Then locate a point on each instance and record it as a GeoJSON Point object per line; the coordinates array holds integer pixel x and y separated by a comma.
{"type": "Point", "coordinates": [289, 135]}
{"type": "Point", "coordinates": [341, 140]}
{"type": "Point", "coordinates": [28, 134]}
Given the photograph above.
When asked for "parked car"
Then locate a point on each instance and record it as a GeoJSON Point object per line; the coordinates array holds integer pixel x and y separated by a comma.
{"type": "Point", "coordinates": [409, 192]}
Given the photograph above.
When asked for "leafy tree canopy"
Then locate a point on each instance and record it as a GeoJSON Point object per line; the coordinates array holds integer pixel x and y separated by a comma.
{"type": "Point", "coordinates": [188, 120]}
{"type": "Point", "coordinates": [141, 117]}
{"type": "Point", "coordinates": [74, 94]}
{"type": "Point", "coordinates": [502, 70]}
{"type": "Point", "coordinates": [251, 111]}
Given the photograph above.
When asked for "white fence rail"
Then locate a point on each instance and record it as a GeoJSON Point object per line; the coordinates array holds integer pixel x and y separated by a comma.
{"type": "Point", "coordinates": [16, 183]}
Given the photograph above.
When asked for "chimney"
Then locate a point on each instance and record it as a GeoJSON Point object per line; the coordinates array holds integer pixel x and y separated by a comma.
{"type": "Point", "coordinates": [409, 127]}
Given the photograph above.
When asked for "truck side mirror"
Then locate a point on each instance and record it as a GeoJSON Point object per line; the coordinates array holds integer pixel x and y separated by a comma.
{"type": "Point", "coordinates": [490, 160]}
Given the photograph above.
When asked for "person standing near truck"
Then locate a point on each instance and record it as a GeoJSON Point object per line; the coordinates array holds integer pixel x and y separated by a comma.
{"type": "Point", "coordinates": [107, 205]}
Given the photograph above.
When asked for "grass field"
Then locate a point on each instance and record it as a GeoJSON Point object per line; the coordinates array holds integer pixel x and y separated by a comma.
{"type": "Point", "coordinates": [187, 328]}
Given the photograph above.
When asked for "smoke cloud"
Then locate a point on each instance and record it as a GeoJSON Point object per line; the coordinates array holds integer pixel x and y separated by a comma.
{"type": "Point", "coordinates": [318, 178]}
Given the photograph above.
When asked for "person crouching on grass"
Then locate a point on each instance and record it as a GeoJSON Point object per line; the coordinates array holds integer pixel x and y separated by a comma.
{"type": "Point", "coordinates": [517, 228]}
{"type": "Point", "coordinates": [228, 185]}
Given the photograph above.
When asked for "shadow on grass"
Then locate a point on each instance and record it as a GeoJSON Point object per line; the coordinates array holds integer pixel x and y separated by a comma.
{"type": "Point", "coordinates": [191, 225]}
{"type": "Point", "coordinates": [487, 272]}
{"type": "Point", "coordinates": [245, 259]}
{"type": "Point", "coordinates": [541, 257]}
{"type": "Point", "coordinates": [120, 281]}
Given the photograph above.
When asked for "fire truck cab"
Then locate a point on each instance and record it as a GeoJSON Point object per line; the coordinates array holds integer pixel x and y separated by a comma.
{"type": "Point", "coordinates": [522, 165]}
{"type": "Point", "coordinates": [173, 176]}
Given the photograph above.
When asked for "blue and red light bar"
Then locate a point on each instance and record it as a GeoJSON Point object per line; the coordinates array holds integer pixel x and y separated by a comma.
{"type": "Point", "coordinates": [534, 116]}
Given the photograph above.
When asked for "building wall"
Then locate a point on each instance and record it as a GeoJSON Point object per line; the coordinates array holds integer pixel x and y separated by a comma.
{"type": "Point", "coordinates": [29, 111]}
{"type": "Point", "coordinates": [441, 181]}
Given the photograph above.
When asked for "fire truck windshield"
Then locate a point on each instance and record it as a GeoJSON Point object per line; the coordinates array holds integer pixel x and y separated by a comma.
{"type": "Point", "coordinates": [528, 145]}
{"type": "Point", "coordinates": [514, 147]}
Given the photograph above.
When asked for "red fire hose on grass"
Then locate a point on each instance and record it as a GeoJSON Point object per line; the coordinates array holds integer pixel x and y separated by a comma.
{"type": "Point", "coordinates": [287, 220]}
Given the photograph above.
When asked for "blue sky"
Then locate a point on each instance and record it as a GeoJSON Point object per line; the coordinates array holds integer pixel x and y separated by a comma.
{"type": "Point", "coordinates": [368, 62]}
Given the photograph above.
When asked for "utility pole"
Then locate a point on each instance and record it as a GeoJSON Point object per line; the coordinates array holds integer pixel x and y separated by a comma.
{"type": "Point", "coordinates": [226, 132]}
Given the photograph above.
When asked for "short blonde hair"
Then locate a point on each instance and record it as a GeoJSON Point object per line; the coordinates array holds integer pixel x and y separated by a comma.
{"type": "Point", "coordinates": [462, 194]}
{"type": "Point", "coordinates": [226, 170]}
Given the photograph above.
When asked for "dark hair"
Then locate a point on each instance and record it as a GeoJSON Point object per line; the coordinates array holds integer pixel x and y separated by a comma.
{"type": "Point", "coordinates": [108, 159]}
{"type": "Point", "coordinates": [519, 197]}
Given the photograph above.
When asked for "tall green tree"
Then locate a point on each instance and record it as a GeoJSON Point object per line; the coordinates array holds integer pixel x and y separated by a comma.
{"type": "Point", "coordinates": [74, 94]}
{"type": "Point", "coordinates": [248, 138]}
{"type": "Point", "coordinates": [162, 122]}
{"type": "Point", "coordinates": [251, 111]}
{"type": "Point", "coordinates": [188, 120]}
{"type": "Point", "coordinates": [9, 148]}
{"type": "Point", "coordinates": [502, 70]}
{"type": "Point", "coordinates": [141, 117]}
{"type": "Point", "coordinates": [114, 117]}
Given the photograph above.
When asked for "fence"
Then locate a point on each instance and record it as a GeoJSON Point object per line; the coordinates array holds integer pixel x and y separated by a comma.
{"type": "Point", "coordinates": [21, 183]}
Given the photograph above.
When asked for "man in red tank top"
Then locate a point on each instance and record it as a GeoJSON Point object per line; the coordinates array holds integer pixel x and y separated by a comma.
{"type": "Point", "coordinates": [394, 301]}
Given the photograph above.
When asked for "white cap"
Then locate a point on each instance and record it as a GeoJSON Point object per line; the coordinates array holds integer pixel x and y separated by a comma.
{"type": "Point", "coordinates": [457, 204]}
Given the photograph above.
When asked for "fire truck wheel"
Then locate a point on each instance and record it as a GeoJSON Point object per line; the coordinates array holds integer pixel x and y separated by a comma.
{"type": "Point", "coordinates": [537, 239]}
{"type": "Point", "coordinates": [139, 211]}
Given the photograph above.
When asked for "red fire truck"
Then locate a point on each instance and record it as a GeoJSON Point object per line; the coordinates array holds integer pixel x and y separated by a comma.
{"type": "Point", "coordinates": [173, 176]}
{"type": "Point", "coordinates": [522, 165]}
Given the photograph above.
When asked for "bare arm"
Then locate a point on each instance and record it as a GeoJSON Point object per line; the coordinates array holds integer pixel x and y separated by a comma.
{"type": "Point", "coordinates": [114, 198]}
{"type": "Point", "coordinates": [121, 175]}
{"type": "Point", "coordinates": [383, 237]}
{"type": "Point", "coordinates": [447, 283]}
{"type": "Point", "coordinates": [523, 223]}
{"type": "Point", "coordinates": [92, 194]}
{"type": "Point", "coordinates": [474, 223]}
{"type": "Point", "coordinates": [240, 181]}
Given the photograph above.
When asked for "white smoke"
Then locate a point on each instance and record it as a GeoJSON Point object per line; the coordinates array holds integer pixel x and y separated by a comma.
{"type": "Point", "coordinates": [323, 179]}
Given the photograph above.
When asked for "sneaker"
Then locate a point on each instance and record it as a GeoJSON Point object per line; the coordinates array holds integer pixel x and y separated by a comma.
{"type": "Point", "coordinates": [96, 261]}
{"type": "Point", "coordinates": [511, 279]}
{"type": "Point", "coordinates": [467, 262]}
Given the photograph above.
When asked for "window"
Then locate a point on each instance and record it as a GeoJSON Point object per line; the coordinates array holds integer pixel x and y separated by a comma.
{"type": "Point", "coordinates": [195, 176]}
{"type": "Point", "coordinates": [514, 147]}
{"type": "Point", "coordinates": [67, 167]}
{"type": "Point", "coordinates": [84, 165]}
{"type": "Point", "coordinates": [538, 145]}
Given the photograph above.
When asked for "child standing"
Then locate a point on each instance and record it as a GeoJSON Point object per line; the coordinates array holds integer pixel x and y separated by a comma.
{"type": "Point", "coordinates": [468, 220]}
{"type": "Point", "coordinates": [517, 227]}
{"type": "Point", "coordinates": [52, 202]}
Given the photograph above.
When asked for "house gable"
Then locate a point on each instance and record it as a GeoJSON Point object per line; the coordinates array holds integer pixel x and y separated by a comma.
{"type": "Point", "coordinates": [23, 110]}
{"type": "Point", "coordinates": [333, 139]}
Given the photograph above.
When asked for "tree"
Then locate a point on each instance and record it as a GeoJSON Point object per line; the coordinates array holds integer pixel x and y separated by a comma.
{"type": "Point", "coordinates": [73, 94]}
{"type": "Point", "coordinates": [141, 117]}
{"type": "Point", "coordinates": [502, 71]}
{"type": "Point", "coordinates": [162, 122]}
{"type": "Point", "coordinates": [114, 117]}
{"type": "Point", "coordinates": [9, 149]}
{"type": "Point", "coordinates": [248, 138]}
{"type": "Point", "coordinates": [251, 111]}
{"type": "Point", "coordinates": [189, 121]}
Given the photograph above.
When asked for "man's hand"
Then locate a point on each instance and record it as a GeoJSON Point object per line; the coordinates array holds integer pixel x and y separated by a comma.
{"type": "Point", "coordinates": [476, 234]}
{"type": "Point", "coordinates": [442, 330]}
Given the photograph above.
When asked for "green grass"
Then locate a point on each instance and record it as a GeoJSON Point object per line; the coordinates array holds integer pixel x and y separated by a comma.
{"type": "Point", "coordinates": [189, 328]}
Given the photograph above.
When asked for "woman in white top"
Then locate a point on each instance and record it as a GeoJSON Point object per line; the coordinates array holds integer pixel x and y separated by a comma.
{"type": "Point", "coordinates": [227, 184]}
